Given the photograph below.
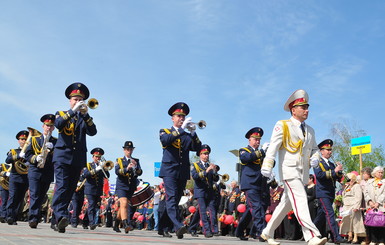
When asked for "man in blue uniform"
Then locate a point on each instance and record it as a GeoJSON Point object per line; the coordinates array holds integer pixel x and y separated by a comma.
{"type": "Point", "coordinates": [175, 169]}
{"type": "Point", "coordinates": [127, 170]}
{"type": "Point", "coordinates": [253, 183]}
{"type": "Point", "coordinates": [18, 180]}
{"type": "Point", "coordinates": [203, 174]}
{"type": "Point", "coordinates": [326, 175]}
{"type": "Point", "coordinates": [95, 174]}
{"type": "Point", "coordinates": [40, 172]}
{"type": "Point", "coordinates": [5, 172]}
{"type": "Point", "coordinates": [70, 150]}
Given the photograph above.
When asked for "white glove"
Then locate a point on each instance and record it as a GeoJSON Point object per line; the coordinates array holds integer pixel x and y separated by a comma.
{"type": "Point", "coordinates": [314, 161]}
{"type": "Point", "coordinates": [186, 121]}
{"type": "Point", "coordinates": [49, 145]}
{"type": "Point", "coordinates": [39, 158]}
{"type": "Point", "coordinates": [78, 105]}
{"type": "Point", "coordinates": [98, 168]}
{"type": "Point", "coordinates": [7, 174]}
{"type": "Point", "coordinates": [21, 154]}
{"type": "Point", "coordinates": [191, 128]}
{"type": "Point", "coordinates": [267, 172]}
{"type": "Point", "coordinates": [265, 146]}
{"type": "Point", "coordinates": [78, 184]}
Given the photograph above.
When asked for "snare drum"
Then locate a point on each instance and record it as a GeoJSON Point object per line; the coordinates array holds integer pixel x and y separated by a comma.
{"type": "Point", "coordinates": [142, 194]}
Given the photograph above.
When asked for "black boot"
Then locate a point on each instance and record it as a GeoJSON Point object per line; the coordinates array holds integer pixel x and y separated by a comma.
{"type": "Point", "coordinates": [127, 227]}
{"type": "Point", "coordinates": [116, 225]}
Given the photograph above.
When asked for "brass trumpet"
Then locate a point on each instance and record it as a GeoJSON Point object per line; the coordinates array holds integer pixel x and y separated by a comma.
{"type": "Point", "coordinates": [93, 103]}
{"type": "Point", "coordinates": [201, 124]}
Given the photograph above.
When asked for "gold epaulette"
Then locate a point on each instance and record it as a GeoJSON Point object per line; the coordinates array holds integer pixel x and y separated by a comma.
{"type": "Point", "coordinates": [287, 143]}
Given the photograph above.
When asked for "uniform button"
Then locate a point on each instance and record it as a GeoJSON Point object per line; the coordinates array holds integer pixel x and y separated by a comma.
{"type": "Point", "coordinates": [75, 141]}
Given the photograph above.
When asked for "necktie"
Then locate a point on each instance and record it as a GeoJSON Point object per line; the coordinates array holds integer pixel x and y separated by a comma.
{"type": "Point", "coordinates": [303, 129]}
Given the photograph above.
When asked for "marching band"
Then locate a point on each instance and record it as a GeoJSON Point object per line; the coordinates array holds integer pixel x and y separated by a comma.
{"type": "Point", "coordinates": [30, 168]}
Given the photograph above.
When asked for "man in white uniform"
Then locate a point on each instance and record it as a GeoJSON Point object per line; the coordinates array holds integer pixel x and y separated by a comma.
{"type": "Point", "coordinates": [295, 143]}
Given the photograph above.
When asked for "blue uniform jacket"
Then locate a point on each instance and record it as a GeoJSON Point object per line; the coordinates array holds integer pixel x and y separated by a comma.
{"type": "Point", "coordinates": [326, 179]}
{"type": "Point", "coordinates": [95, 179]}
{"type": "Point", "coordinates": [176, 147]}
{"type": "Point", "coordinates": [12, 157]}
{"type": "Point", "coordinates": [127, 179]}
{"type": "Point", "coordinates": [203, 181]}
{"type": "Point", "coordinates": [73, 128]}
{"type": "Point", "coordinates": [31, 153]}
{"type": "Point", "coordinates": [251, 177]}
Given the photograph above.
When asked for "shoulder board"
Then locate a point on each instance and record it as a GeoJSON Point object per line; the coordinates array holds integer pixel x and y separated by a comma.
{"type": "Point", "coordinates": [168, 131]}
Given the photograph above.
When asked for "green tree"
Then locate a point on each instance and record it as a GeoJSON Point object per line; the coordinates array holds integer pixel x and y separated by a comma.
{"type": "Point", "coordinates": [342, 133]}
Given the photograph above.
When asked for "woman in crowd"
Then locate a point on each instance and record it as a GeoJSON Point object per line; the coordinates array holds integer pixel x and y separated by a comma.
{"type": "Point", "coordinates": [311, 199]}
{"type": "Point", "coordinates": [353, 222]}
{"type": "Point", "coordinates": [375, 199]}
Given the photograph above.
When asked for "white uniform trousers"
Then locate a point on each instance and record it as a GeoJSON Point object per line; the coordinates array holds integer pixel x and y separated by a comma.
{"type": "Point", "coordinates": [294, 197]}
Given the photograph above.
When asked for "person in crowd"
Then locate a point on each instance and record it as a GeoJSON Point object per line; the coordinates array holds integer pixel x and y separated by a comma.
{"type": "Point", "coordinates": [311, 197]}
{"type": "Point", "coordinates": [352, 222]}
{"type": "Point", "coordinates": [375, 199]}
{"type": "Point", "coordinates": [156, 206]}
{"type": "Point", "coordinates": [5, 172]}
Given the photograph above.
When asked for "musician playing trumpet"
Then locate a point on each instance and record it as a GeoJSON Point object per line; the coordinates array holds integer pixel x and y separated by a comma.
{"type": "Point", "coordinates": [70, 154]}
{"type": "Point", "coordinates": [127, 170]}
{"type": "Point", "coordinates": [18, 183]}
{"type": "Point", "coordinates": [95, 173]}
{"type": "Point", "coordinates": [40, 172]}
{"type": "Point", "coordinates": [203, 172]}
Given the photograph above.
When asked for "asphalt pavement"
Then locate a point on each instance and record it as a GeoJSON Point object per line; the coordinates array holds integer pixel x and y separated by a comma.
{"type": "Point", "coordinates": [43, 235]}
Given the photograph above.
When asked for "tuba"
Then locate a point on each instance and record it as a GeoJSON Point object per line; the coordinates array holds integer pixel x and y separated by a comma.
{"type": "Point", "coordinates": [4, 180]}
{"type": "Point", "coordinates": [20, 166]}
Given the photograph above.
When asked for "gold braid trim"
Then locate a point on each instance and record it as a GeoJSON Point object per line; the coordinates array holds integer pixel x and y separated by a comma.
{"type": "Point", "coordinates": [121, 170]}
{"type": "Point", "coordinates": [258, 161]}
{"type": "Point", "coordinates": [200, 171]}
{"type": "Point", "coordinates": [70, 127]}
{"type": "Point", "coordinates": [177, 142]}
{"type": "Point", "coordinates": [90, 122]}
{"type": "Point", "coordinates": [35, 146]}
{"type": "Point", "coordinates": [14, 154]}
{"type": "Point", "coordinates": [287, 143]}
{"type": "Point", "coordinates": [92, 171]}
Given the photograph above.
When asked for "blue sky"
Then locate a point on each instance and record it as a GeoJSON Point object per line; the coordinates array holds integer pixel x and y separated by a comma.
{"type": "Point", "coordinates": [233, 62]}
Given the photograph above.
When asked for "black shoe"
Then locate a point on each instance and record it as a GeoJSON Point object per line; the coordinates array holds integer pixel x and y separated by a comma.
{"type": "Point", "coordinates": [85, 227]}
{"type": "Point", "coordinates": [216, 234]}
{"type": "Point", "coordinates": [181, 231]}
{"type": "Point", "coordinates": [166, 234]}
{"type": "Point", "coordinates": [10, 221]}
{"type": "Point", "coordinates": [2, 220]}
{"type": "Point", "coordinates": [208, 235]}
{"type": "Point", "coordinates": [74, 225]}
{"type": "Point", "coordinates": [93, 227]}
{"type": "Point", "coordinates": [33, 224]}
{"type": "Point", "coordinates": [61, 226]}
{"type": "Point", "coordinates": [194, 234]}
{"type": "Point", "coordinates": [341, 240]}
{"type": "Point", "coordinates": [243, 238]}
{"type": "Point", "coordinates": [53, 227]}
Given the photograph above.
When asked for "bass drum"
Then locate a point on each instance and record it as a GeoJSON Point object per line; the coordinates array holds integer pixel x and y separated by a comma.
{"type": "Point", "coordinates": [142, 194]}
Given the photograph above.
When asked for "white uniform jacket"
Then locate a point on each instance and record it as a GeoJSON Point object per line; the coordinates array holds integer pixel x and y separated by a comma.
{"type": "Point", "coordinates": [294, 149]}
